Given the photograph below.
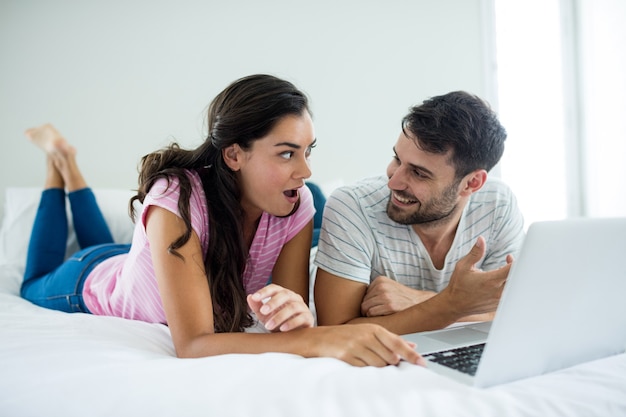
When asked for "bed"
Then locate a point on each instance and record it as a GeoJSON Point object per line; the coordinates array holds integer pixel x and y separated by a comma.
{"type": "Point", "coordinates": [58, 364]}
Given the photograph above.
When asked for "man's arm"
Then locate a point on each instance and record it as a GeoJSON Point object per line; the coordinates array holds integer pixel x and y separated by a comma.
{"type": "Point", "coordinates": [338, 301]}
{"type": "Point", "coordinates": [470, 291]}
{"type": "Point", "coordinates": [385, 296]}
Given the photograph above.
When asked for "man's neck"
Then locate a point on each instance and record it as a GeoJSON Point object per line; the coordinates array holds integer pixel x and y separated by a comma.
{"type": "Point", "coordinates": [437, 238]}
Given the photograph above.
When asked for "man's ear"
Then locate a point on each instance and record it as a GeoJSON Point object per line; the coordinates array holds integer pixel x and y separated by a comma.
{"type": "Point", "coordinates": [232, 157]}
{"type": "Point", "coordinates": [473, 182]}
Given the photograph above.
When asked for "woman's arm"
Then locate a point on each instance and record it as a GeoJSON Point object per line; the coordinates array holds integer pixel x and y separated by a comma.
{"type": "Point", "coordinates": [182, 282]}
{"type": "Point", "coordinates": [291, 270]}
{"type": "Point", "coordinates": [284, 305]}
{"type": "Point", "coordinates": [187, 302]}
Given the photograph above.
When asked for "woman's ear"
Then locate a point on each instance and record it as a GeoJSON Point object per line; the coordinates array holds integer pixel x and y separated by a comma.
{"type": "Point", "coordinates": [232, 157]}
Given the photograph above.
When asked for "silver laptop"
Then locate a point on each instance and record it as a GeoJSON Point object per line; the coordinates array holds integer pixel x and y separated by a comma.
{"type": "Point", "coordinates": [564, 303]}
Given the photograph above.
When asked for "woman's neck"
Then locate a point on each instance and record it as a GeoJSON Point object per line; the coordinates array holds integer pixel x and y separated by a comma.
{"type": "Point", "coordinates": [250, 225]}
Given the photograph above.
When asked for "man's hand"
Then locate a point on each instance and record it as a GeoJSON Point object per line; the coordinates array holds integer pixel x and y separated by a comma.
{"type": "Point", "coordinates": [385, 296]}
{"type": "Point", "coordinates": [473, 291]}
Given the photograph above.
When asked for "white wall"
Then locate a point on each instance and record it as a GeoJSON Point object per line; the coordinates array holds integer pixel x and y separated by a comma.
{"type": "Point", "coordinates": [602, 34]}
{"type": "Point", "coordinates": [562, 97]}
{"type": "Point", "coordinates": [121, 78]}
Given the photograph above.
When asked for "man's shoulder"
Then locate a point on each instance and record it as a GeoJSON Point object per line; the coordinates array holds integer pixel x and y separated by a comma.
{"type": "Point", "coordinates": [365, 199]}
{"type": "Point", "coordinates": [494, 200]}
{"type": "Point", "coordinates": [493, 189]}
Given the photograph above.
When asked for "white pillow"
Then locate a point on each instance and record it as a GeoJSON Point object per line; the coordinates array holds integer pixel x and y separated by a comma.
{"type": "Point", "coordinates": [19, 213]}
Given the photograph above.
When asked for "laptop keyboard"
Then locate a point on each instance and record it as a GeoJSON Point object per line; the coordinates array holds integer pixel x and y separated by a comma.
{"type": "Point", "coordinates": [464, 359]}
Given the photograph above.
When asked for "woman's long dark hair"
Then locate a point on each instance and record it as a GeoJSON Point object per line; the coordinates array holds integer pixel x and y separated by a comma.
{"type": "Point", "coordinates": [245, 111]}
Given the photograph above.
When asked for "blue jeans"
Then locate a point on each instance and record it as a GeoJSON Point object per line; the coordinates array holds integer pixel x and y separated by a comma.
{"type": "Point", "coordinates": [51, 281]}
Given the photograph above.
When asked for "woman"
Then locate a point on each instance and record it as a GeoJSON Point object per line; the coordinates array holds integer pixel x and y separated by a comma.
{"type": "Point", "coordinates": [215, 223]}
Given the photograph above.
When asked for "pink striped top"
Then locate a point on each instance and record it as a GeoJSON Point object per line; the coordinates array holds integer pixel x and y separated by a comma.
{"type": "Point", "coordinates": [125, 285]}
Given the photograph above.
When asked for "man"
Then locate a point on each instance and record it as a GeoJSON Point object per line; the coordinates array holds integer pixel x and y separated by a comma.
{"type": "Point", "coordinates": [431, 243]}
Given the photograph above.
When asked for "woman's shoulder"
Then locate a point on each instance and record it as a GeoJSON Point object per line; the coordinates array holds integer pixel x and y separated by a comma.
{"type": "Point", "coordinates": [166, 192]}
{"type": "Point", "coordinates": [171, 184]}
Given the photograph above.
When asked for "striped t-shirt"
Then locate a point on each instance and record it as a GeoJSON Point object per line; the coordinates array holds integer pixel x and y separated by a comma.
{"type": "Point", "coordinates": [358, 241]}
{"type": "Point", "coordinates": [126, 286]}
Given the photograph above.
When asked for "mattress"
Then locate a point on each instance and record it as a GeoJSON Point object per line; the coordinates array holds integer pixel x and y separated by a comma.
{"type": "Point", "coordinates": [59, 364]}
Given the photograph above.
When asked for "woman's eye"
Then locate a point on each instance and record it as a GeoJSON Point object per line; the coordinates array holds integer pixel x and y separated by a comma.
{"type": "Point", "coordinates": [287, 154]}
{"type": "Point", "coordinates": [309, 149]}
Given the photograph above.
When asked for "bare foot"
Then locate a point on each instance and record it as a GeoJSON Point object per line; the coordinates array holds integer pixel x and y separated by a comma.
{"type": "Point", "coordinates": [47, 138]}
{"type": "Point", "coordinates": [62, 168]}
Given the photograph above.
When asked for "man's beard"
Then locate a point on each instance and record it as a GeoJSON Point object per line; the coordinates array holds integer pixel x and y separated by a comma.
{"type": "Point", "coordinates": [435, 211]}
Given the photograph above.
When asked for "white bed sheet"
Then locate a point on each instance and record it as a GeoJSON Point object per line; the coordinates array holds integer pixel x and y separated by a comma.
{"type": "Point", "coordinates": [58, 364]}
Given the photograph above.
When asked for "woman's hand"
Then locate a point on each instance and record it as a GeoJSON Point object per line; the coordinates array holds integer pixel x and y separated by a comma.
{"type": "Point", "coordinates": [364, 345]}
{"type": "Point", "coordinates": [280, 309]}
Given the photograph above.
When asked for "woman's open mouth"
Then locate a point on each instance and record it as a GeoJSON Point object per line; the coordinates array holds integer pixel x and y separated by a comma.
{"type": "Point", "coordinates": [292, 195]}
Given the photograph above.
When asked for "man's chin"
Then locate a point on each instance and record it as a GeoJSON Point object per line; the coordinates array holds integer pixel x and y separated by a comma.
{"type": "Point", "coordinates": [398, 216]}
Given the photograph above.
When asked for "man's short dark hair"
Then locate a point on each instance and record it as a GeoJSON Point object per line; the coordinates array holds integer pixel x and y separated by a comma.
{"type": "Point", "coordinates": [461, 122]}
